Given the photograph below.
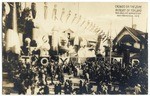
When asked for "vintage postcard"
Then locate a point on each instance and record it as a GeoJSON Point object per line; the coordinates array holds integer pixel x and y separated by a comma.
{"type": "Point", "coordinates": [74, 48]}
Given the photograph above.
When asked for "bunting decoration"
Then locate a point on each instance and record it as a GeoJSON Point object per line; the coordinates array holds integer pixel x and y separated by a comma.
{"type": "Point", "coordinates": [101, 32]}
{"type": "Point", "coordinates": [68, 16]}
{"type": "Point", "coordinates": [12, 37]}
{"type": "Point", "coordinates": [106, 37]}
{"type": "Point", "coordinates": [98, 31]}
{"type": "Point", "coordinates": [92, 27]}
{"type": "Point", "coordinates": [62, 14]}
{"type": "Point", "coordinates": [74, 18]}
{"type": "Point", "coordinates": [88, 23]}
{"type": "Point", "coordinates": [82, 23]}
{"type": "Point", "coordinates": [79, 19]}
{"type": "Point", "coordinates": [54, 14]}
{"type": "Point", "coordinates": [45, 10]}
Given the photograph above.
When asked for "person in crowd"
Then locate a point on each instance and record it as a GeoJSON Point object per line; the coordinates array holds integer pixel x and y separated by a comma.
{"type": "Point", "coordinates": [28, 91]}
{"type": "Point", "coordinates": [21, 88]}
{"type": "Point", "coordinates": [61, 77]}
{"type": "Point", "coordinates": [85, 87]}
{"type": "Point", "coordinates": [137, 89]}
{"type": "Point", "coordinates": [56, 88]}
{"type": "Point", "coordinates": [99, 88]}
{"type": "Point", "coordinates": [46, 90]}
{"type": "Point", "coordinates": [66, 87]}
{"type": "Point", "coordinates": [59, 87]}
{"type": "Point", "coordinates": [81, 87]}
{"type": "Point", "coordinates": [104, 89]}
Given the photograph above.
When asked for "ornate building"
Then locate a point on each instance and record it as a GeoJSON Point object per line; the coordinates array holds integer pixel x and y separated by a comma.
{"type": "Point", "coordinates": [131, 42]}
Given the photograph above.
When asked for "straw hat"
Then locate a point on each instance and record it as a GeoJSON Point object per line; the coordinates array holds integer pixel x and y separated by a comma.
{"type": "Point", "coordinates": [139, 85]}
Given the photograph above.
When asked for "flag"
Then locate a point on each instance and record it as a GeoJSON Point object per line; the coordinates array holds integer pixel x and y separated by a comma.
{"type": "Point", "coordinates": [101, 32]}
{"type": "Point", "coordinates": [75, 16]}
{"type": "Point", "coordinates": [98, 30]}
{"type": "Point", "coordinates": [12, 37]}
{"type": "Point", "coordinates": [105, 40]}
{"type": "Point", "coordinates": [62, 13]}
{"type": "Point", "coordinates": [54, 14]}
{"type": "Point", "coordinates": [103, 35]}
{"type": "Point", "coordinates": [88, 23]}
{"type": "Point", "coordinates": [106, 37]}
{"type": "Point", "coordinates": [45, 10]}
{"type": "Point", "coordinates": [92, 27]}
{"type": "Point", "coordinates": [68, 16]}
{"type": "Point", "coordinates": [82, 22]}
{"type": "Point", "coordinates": [79, 19]}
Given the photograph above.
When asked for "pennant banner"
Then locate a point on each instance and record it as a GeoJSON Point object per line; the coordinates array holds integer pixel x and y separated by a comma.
{"type": "Point", "coordinates": [62, 14]}
{"type": "Point", "coordinates": [12, 37]}
{"type": "Point", "coordinates": [75, 16]}
{"type": "Point", "coordinates": [87, 24]}
{"type": "Point", "coordinates": [45, 10]}
{"type": "Point", "coordinates": [54, 14]}
{"type": "Point", "coordinates": [79, 19]}
{"type": "Point", "coordinates": [68, 16]}
{"type": "Point", "coordinates": [82, 23]}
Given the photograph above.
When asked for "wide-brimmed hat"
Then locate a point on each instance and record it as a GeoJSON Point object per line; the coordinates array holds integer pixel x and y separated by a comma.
{"type": "Point", "coordinates": [139, 85]}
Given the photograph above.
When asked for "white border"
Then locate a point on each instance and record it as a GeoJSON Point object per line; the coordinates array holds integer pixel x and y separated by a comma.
{"type": "Point", "coordinates": [75, 0]}
{"type": "Point", "coordinates": [148, 27]}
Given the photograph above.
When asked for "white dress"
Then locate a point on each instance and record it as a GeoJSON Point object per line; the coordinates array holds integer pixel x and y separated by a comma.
{"type": "Point", "coordinates": [28, 91]}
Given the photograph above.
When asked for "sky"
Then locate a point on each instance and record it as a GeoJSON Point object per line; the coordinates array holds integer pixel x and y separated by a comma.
{"type": "Point", "coordinates": [100, 13]}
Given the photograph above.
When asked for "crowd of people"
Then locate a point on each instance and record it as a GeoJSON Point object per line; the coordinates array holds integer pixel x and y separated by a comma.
{"type": "Point", "coordinates": [34, 78]}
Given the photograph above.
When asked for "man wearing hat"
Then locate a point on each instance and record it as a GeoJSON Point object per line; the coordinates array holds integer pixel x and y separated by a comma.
{"type": "Point", "coordinates": [137, 89]}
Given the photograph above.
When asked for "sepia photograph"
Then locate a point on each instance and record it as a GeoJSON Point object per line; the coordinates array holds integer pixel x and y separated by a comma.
{"type": "Point", "coordinates": [76, 48]}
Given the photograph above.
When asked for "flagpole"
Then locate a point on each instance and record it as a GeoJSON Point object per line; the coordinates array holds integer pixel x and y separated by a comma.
{"type": "Point", "coordinates": [110, 44]}
{"type": "Point", "coordinates": [132, 22]}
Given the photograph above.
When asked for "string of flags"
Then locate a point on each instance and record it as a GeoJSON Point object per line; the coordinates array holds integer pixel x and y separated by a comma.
{"type": "Point", "coordinates": [65, 16]}
{"type": "Point", "coordinates": [86, 24]}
